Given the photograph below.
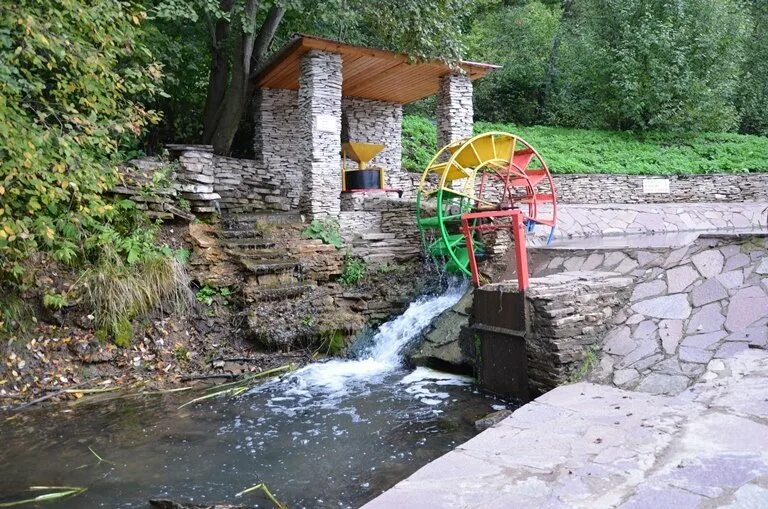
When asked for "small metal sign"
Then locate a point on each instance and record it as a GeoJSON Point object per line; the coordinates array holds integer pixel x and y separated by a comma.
{"type": "Point", "coordinates": [656, 186]}
{"type": "Point", "coordinates": [326, 123]}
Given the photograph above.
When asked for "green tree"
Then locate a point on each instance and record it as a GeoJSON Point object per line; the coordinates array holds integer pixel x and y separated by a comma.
{"type": "Point", "coordinates": [753, 96]}
{"type": "Point", "coordinates": [242, 33]}
{"type": "Point", "coordinates": [653, 64]}
{"type": "Point", "coordinates": [519, 37]}
{"type": "Point", "coordinates": [73, 77]}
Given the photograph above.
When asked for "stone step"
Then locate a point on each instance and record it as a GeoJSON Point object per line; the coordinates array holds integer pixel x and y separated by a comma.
{"type": "Point", "coordinates": [377, 236]}
{"type": "Point", "coordinates": [261, 254]}
{"type": "Point", "coordinates": [269, 217]}
{"type": "Point", "coordinates": [239, 234]}
{"type": "Point", "coordinates": [250, 243]}
{"type": "Point", "coordinates": [278, 293]}
{"type": "Point", "coordinates": [386, 257]}
{"type": "Point", "coordinates": [257, 267]}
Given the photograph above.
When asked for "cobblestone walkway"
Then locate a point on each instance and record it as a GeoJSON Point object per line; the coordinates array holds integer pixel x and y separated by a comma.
{"type": "Point", "coordinates": [592, 446]}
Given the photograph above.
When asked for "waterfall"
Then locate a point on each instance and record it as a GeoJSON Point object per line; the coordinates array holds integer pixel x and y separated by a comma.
{"type": "Point", "coordinates": [383, 356]}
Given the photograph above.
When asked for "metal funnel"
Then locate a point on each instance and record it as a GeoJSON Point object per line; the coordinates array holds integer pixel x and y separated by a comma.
{"type": "Point", "coordinates": [361, 153]}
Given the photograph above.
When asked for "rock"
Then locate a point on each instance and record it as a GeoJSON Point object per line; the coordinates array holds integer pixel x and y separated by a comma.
{"type": "Point", "coordinates": [705, 341]}
{"type": "Point", "coordinates": [709, 263]}
{"type": "Point", "coordinates": [671, 332]}
{"type": "Point", "coordinates": [670, 306]}
{"type": "Point", "coordinates": [707, 319]}
{"type": "Point", "coordinates": [680, 278]}
{"type": "Point", "coordinates": [491, 419]}
{"type": "Point", "coordinates": [623, 377]}
{"type": "Point", "coordinates": [747, 306]}
{"type": "Point", "coordinates": [709, 291]}
{"type": "Point", "coordinates": [442, 342]}
{"type": "Point", "coordinates": [658, 383]}
{"type": "Point", "coordinates": [202, 235]}
{"type": "Point", "coordinates": [731, 348]}
{"type": "Point", "coordinates": [645, 290]}
{"type": "Point", "coordinates": [694, 355]}
{"type": "Point", "coordinates": [619, 341]}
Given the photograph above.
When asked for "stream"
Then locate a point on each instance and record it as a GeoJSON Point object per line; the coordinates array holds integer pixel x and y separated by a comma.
{"type": "Point", "coordinates": [332, 434]}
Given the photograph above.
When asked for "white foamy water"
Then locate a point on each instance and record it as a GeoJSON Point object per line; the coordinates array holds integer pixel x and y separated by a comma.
{"type": "Point", "coordinates": [383, 356]}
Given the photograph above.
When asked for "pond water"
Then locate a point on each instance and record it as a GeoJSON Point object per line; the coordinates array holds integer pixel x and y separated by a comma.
{"type": "Point", "coordinates": [333, 434]}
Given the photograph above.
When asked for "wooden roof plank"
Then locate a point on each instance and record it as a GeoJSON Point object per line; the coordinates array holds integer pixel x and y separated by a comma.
{"type": "Point", "coordinates": [368, 73]}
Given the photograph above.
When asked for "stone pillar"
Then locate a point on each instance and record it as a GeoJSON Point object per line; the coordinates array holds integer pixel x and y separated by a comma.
{"type": "Point", "coordinates": [320, 133]}
{"type": "Point", "coordinates": [454, 109]}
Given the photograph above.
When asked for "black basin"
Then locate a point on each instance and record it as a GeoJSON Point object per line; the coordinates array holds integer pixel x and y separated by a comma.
{"type": "Point", "coordinates": [362, 179]}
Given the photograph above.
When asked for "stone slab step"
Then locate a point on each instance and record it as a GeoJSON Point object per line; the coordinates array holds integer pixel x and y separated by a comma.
{"type": "Point", "coordinates": [239, 234]}
{"type": "Point", "coordinates": [377, 236]}
{"type": "Point", "coordinates": [262, 254]}
{"type": "Point", "coordinates": [252, 243]}
{"type": "Point", "coordinates": [269, 266]}
{"type": "Point", "coordinates": [264, 217]}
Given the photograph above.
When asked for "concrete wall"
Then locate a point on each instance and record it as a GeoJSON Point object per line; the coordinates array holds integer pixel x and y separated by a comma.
{"type": "Point", "coordinates": [613, 188]}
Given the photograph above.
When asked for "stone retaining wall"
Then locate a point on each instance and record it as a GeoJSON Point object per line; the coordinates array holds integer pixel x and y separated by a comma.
{"type": "Point", "coordinates": [568, 314]}
{"type": "Point", "coordinates": [585, 220]}
{"type": "Point", "coordinates": [277, 146]}
{"type": "Point", "coordinates": [379, 227]}
{"type": "Point", "coordinates": [614, 188]}
{"type": "Point", "coordinates": [692, 305]}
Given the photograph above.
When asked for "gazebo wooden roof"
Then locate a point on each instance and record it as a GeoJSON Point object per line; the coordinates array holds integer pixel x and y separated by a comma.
{"type": "Point", "coordinates": [366, 72]}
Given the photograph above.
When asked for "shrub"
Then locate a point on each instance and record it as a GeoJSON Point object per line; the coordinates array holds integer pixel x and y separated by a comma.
{"type": "Point", "coordinates": [353, 272]}
{"type": "Point", "coordinates": [118, 292]}
{"type": "Point", "coordinates": [207, 294]}
{"type": "Point", "coordinates": [326, 230]}
{"type": "Point", "coordinates": [72, 82]}
{"type": "Point", "coordinates": [419, 142]}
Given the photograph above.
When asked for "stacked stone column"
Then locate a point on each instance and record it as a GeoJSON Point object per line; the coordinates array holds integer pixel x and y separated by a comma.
{"type": "Point", "coordinates": [454, 109]}
{"type": "Point", "coordinates": [320, 132]}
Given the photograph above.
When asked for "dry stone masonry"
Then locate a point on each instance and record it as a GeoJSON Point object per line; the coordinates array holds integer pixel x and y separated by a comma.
{"type": "Point", "coordinates": [454, 109]}
{"type": "Point", "coordinates": [379, 227]}
{"type": "Point", "coordinates": [196, 176]}
{"type": "Point", "coordinates": [615, 188]}
{"type": "Point", "coordinates": [371, 121]}
{"type": "Point", "coordinates": [320, 132]}
{"type": "Point", "coordinates": [278, 145]}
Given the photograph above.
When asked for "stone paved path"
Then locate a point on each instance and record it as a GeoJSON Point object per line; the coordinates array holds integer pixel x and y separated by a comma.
{"type": "Point", "coordinates": [592, 446]}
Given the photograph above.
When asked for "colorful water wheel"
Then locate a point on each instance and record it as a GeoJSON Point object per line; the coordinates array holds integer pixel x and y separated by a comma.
{"type": "Point", "coordinates": [490, 172]}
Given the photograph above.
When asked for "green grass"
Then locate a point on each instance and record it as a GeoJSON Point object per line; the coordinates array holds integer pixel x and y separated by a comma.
{"type": "Point", "coordinates": [594, 151]}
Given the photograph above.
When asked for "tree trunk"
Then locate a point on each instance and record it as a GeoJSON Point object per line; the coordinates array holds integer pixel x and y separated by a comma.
{"type": "Point", "coordinates": [550, 77]}
{"type": "Point", "coordinates": [219, 71]}
{"type": "Point", "coordinates": [250, 50]}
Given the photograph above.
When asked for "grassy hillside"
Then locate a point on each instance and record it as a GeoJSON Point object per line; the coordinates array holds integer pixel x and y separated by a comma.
{"type": "Point", "coordinates": [593, 151]}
